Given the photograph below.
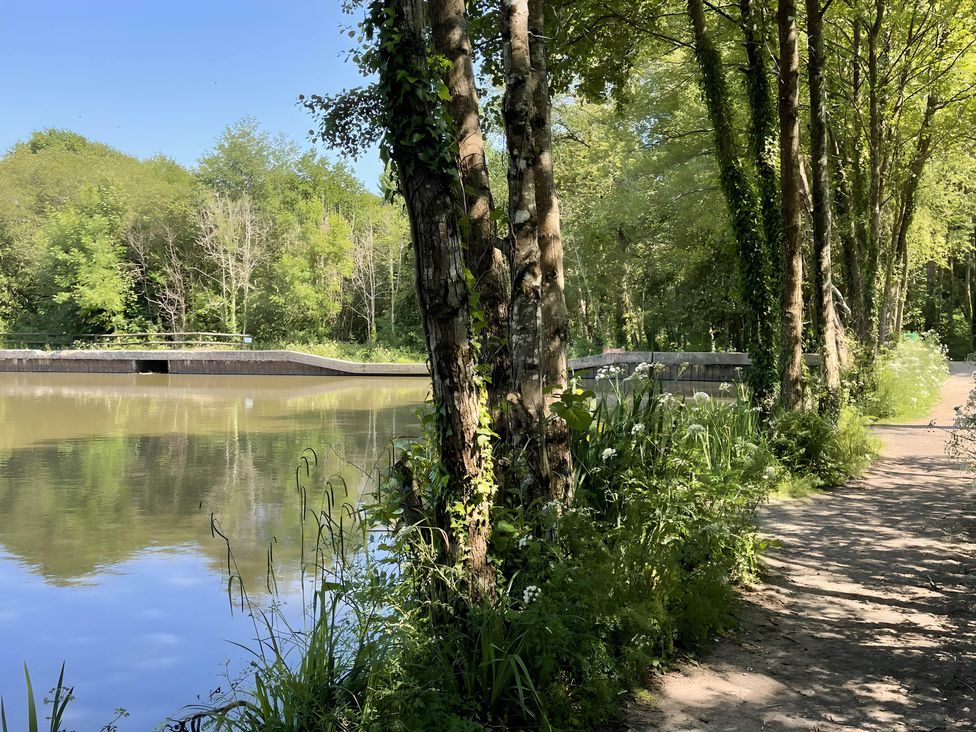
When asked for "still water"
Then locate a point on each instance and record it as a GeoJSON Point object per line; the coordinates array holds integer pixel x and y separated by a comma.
{"type": "Point", "coordinates": [107, 486]}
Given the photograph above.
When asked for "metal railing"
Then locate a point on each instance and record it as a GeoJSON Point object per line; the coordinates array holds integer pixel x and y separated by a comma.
{"type": "Point", "coordinates": [124, 340]}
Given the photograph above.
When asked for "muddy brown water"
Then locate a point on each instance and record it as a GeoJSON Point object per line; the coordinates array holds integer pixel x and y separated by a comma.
{"type": "Point", "coordinates": [107, 485]}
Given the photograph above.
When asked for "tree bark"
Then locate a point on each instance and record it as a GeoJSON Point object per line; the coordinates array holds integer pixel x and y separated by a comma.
{"type": "Point", "coordinates": [791, 299]}
{"type": "Point", "coordinates": [745, 214]}
{"type": "Point", "coordinates": [430, 190]}
{"type": "Point", "coordinates": [906, 210]}
{"type": "Point", "coordinates": [875, 190]}
{"type": "Point", "coordinates": [555, 316]}
{"type": "Point", "coordinates": [484, 255]}
{"type": "Point", "coordinates": [823, 276]}
{"type": "Point", "coordinates": [763, 131]}
{"type": "Point", "coordinates": [526, 398]}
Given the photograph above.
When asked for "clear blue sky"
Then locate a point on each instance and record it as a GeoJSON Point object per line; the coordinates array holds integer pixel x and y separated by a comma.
{"type": "Point", "coordinates": [149, 76]}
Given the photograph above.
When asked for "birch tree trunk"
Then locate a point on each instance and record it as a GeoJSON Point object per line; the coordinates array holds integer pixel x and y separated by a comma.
{"type": "Point", "coordinates": [791, 299]}
{"type": "Point", "coordinates": [823, 275]}
{"type": "Point", "coordinates": [555, 316]}
{"type": "Point", "coordinates": [430, 189]}
{"type": "Point", "coordinates": [525, 331]}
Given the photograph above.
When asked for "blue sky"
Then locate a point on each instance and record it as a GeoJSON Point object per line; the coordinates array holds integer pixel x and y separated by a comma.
{"type": "Point", "coordinates": [149, 76]}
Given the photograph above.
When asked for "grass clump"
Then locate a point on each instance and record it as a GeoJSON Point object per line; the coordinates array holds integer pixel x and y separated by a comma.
{"type": "Point", "coordinates": [906, 379]}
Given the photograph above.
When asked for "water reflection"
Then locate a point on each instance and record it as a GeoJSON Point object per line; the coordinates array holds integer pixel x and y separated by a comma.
{"type": "Point", "coordinates": [106, 560]}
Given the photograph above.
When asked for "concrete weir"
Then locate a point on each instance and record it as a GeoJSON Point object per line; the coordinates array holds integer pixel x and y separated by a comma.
{"type": "Point", "coordinates": [684, 366]}
{"type": "Point", "coordinates": [251, 363]}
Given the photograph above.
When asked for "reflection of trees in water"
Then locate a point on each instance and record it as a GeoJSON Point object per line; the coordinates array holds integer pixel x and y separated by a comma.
{"type": "Point", "coordinates": [71, 505]}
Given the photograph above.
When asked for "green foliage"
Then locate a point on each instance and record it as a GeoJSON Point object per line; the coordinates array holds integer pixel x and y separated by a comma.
{"type": "Point", "coordinates": [907, 379]}
{"type": "Point", "coordinates": [92, 240]}
{"type": "Point", "coordinates": [88, 267]}
{"type": "Point", "coordinates": [812, 447]}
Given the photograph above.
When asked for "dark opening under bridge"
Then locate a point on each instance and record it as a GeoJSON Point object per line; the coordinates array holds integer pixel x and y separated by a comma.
{"type": "Point", "coordinates": [683, 366]}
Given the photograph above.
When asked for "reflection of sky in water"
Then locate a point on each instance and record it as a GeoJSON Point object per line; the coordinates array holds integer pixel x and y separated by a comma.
{"type": "Point", "coordinates": [106, 558]}
{"type": "Point", "coordinates": [147, 634]}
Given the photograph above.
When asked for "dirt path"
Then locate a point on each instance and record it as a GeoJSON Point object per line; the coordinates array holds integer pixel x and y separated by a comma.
{"type": "Point", "coordinates": [868, 620]}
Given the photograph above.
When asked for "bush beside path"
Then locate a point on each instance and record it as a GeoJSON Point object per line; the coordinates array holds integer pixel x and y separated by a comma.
{"type": "Point", "coordinates": [867, 619]}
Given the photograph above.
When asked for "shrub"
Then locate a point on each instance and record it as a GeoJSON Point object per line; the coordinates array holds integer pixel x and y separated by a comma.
{"type": "Point", "coordinates": [810, 445]}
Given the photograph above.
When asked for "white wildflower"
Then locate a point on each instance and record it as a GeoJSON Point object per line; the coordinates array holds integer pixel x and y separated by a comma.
{"type": "Point", "coordinates": [725, 387]}
{"type": "Point", "coordinates": [700, 397]}
{"type": "Point", "coordinates": [637, 429]}
{"type": "Point", "coordinates": [769, 473]}
{"type": "Point", "coordinates": [530, 594]}
{"type": "Point", "coordinates": [643, 371]}
{"type": "Point", "coordinates": [695, 429]}
{"type": "Point", "coordinates": [524, 541]}
{"type": "Point", "coordinates": [608, 453]}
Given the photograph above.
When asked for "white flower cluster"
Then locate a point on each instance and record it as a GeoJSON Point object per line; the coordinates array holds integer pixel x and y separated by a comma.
{"type": "Point", "coordinates": [608, 454]}
{"type": "Point", "coordinates": [637, 429]}
{"type": "Point", "coordinates": [700, 397]}
{"type": "Point", "coordinates": [608, 372]}
{"type": "Point", "coordinates": [695, 429]}
{"type": "Point", "coordinates": [524, 541]}
{"type": "Point", "coordinates": [666, 398]}
{"type": "Point", "coordinates": [725, 387]}
{"type": "Point", "coordinates": [530, 594]}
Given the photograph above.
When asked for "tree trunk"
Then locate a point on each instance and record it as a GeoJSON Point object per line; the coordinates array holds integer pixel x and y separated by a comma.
{"type": "Point", "coordinates": [484, 255]}
{"type": "Point", "coordinates": [902, 295]}
{"type": "Point", "coordinates": [875, 191]}
{"type": "Point", "coordinates": [528, 407]}
{"type": "Point", "coordinates": [791, 299]}
{"type": "Point", "coordinates": [555, 316]}
{"type": "Point", "coordinates": [430, 190]}
{"type": "Point", "coordinates": [823, 276]}
{"type": "Point", "coordinates": [763, 132]}
{"type": "Point", "coordinates": [745, 213]}
{"type": "Point", "coordinates": [906, 213]}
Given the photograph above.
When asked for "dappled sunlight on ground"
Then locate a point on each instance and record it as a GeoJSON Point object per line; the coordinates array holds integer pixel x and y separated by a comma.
{"type": "Point", "coordinates": [868, 618]}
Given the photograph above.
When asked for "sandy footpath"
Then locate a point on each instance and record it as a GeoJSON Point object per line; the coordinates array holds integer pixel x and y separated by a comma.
{"type": "Point", "coordinates": [868, 617]}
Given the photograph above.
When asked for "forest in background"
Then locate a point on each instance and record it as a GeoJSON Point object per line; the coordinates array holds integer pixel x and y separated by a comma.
{"type": "Point", "coordinates": [268, 238]}
{"type": "Point", "coordinates": [260, 238]}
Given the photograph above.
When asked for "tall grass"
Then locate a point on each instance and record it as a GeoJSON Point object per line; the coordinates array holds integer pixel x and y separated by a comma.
{"type": "Point", "coordinates": [62, 696]}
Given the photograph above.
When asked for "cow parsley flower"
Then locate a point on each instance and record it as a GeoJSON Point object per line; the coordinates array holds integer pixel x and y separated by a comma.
{"type": "Point", "coordinates": [530, 594]}
{"type": "Point", "coordinates": [608, 453]}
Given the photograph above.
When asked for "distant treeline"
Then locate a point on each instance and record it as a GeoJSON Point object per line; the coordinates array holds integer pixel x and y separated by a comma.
{"type": "Point", "coordinates": [260, 237]}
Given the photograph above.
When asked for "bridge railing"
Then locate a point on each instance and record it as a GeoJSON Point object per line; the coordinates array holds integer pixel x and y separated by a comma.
{"type": "Point", "coordinates": [683, 365]}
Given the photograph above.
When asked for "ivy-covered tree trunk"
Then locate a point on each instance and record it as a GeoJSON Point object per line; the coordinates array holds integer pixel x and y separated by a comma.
{"type": "Point", "coordinates": [791, 299]}
{"type": "Point", "coordinates": [428, 181]}
{"type": "Point", "coordinates": [555, 316]}
{"type": "Point", "coordinates": [763, 130]}
{"type": "Point", "coordinates": [823, 275]}
{"type": "Point", "coordinates": [525, 331]}
{"type": "Point", "coordinates": [484, 255]}
{"type": "Point", "coordinates": [745, 213]}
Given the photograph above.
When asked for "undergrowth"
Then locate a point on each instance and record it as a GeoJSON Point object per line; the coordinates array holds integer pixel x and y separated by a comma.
{"type": "Point", "coordinates": [589, 600]}
{"type": "Point", "coordinates": [906, 379]}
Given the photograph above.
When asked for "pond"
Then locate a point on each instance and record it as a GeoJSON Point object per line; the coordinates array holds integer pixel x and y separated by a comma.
{"type": "Point", "coordinates": [107, 487]}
